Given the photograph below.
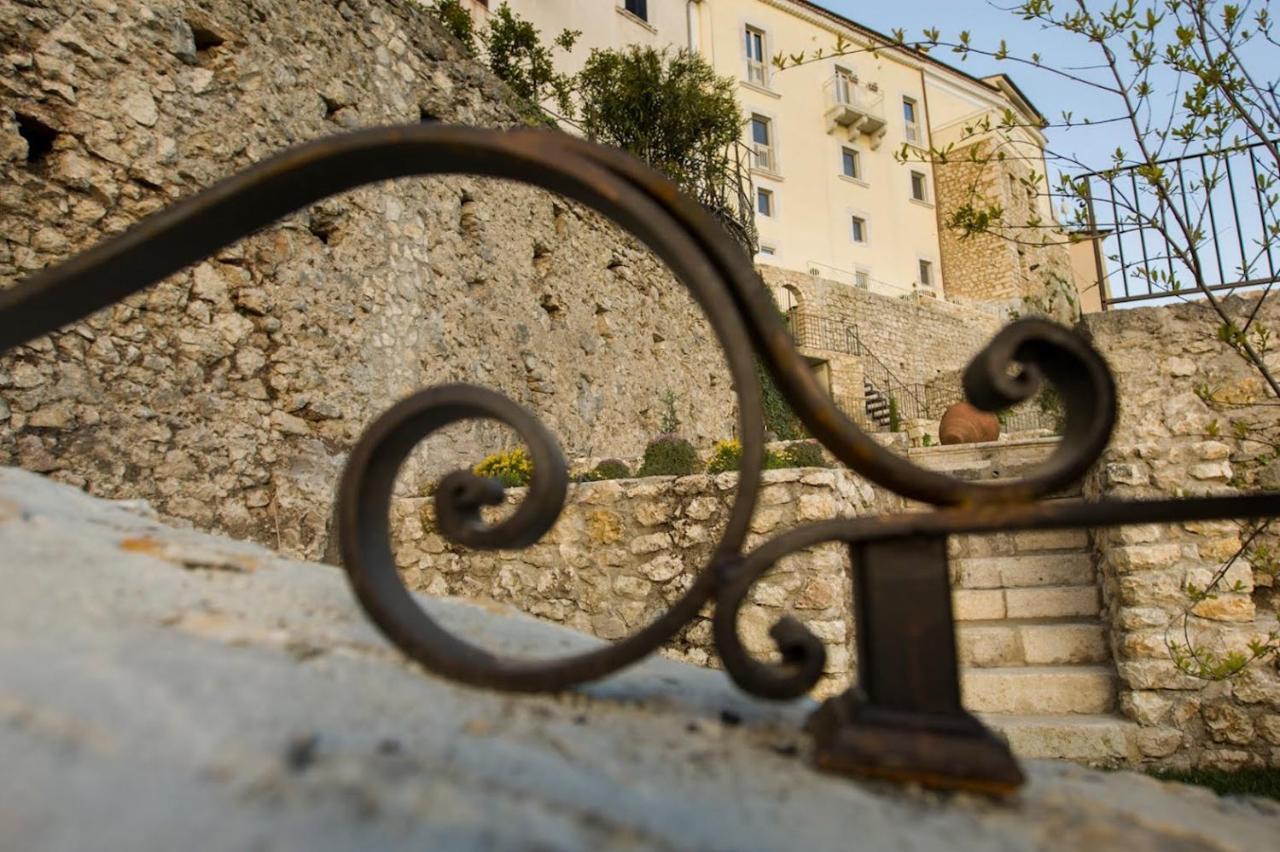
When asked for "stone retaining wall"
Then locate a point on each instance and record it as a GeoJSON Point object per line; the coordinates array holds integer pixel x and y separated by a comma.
{"type": "Point", "coordinates": [229, 394]}
{"type": "Point", "coordinates": [624, 550]}
{"type": "Point", "coordinates": [917, 337]}
{"type": "Point", "coordinates": [1193, 421]}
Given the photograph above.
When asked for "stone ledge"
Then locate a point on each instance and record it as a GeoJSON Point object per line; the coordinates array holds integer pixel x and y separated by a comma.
{"type": "Point", "coordinates": [198, 692]}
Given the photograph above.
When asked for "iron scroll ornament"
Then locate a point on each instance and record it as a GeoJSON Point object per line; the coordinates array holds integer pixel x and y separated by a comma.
{"type": "Point", "coordinates": [905, 719]}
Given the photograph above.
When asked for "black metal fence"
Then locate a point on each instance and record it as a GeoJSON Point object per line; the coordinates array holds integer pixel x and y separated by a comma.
{"type": "Point", "coordinates": [1161, 230]}
{"type": "Point", "coordinates": [722, 184]}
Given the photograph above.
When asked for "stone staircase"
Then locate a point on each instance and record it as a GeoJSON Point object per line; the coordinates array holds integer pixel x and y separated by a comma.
{"type": "Point", "coordinates": [1033, 649]}
{"type": "Point", "coordinates": [877, 405]}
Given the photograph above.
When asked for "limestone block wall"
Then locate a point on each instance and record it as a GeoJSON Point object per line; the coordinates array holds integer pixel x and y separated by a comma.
{"type": "Point", "coordinates": [1009, 267]}
{"type": "Point", "coordinates": [916, 337]}
{"type": "Point", "coordinates": [624, 550]}
{"type": "Point", "coordinates": [229, 394]}
{"type": "Point", "coordinates": [1194, 420]}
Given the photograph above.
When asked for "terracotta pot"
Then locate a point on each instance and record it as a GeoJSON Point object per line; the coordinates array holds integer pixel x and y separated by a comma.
{"type": "Point", "coordinates": [964, 424]}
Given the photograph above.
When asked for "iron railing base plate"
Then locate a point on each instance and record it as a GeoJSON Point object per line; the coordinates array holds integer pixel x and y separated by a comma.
{"type": "Point", "coordinates": [855, 739]}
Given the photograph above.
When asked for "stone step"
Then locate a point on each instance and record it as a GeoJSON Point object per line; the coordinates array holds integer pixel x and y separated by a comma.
{"type": "Point", "coordinates": [1023, 541]}
{"type": "Point", "coordinates": [1039, 690]}
{"type": "Point", "coordinates": [1035, 602]}
{"type": "Point", "coordinates": [1024, 571]}
{"type": "Point", "coordinates": [1094, 739]}
{"type": "Point", "coordinates": [988, 644]}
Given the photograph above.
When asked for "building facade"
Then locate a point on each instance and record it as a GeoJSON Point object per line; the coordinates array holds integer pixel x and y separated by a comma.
{"type": "Point", "coordinates": [843, 184]}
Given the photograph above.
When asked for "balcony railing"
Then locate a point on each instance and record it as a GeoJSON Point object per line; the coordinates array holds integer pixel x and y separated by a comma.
{"type": "Point", "coordinates": [853, 106]}
{"type": "Point", "coordinates": [762, 158]}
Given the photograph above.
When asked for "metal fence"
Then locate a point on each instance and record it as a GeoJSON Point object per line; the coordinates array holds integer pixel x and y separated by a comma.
{"type": "Point", "coordinates": [1209, 217]}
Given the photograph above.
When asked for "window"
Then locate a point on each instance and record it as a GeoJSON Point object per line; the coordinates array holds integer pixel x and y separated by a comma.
{"type": "Point", "coordinates": [911, 126]}
{"type": "Point", "coordinates": [919, 186]}
{"type": "Point", "coordinates": [639, 8]}
{"type": "Point", "coordinates": [859, 229]}
{"type": "Point", "coordinates": [926, 273]}
{"type": "Point", "coordinates": [757, 70]}
{"type": "Point", "coordinates": [768, 251]}
{"type": "Point", "coordinates": [851, 163]}
{"type": "Point", "coordinates": [862, 279]}
{"type": "Point", "coordinates": [762, 143]}
{"type": "Point", "coordinates": [764, 202]}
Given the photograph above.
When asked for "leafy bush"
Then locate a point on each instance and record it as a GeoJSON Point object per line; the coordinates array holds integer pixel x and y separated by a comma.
{"type": "Point", "coordinates": [513, 50]}
{"type": "Point", "coordinates": [607, 469]}
{"type": "Point", "coordinates": [513, 468]}
{"type": "Point", "coordinates": [457, 20]}
{"type": "Point", "coordinates": [725, 456]}
{"type": "Point", "coordinates": [669, 456]}
{"type": "Point", "coordinates": [669, 109]}
{"type": "Point", "coordinates": [520, 59]}
{"type": "Point", "coordinates": [805, 454]}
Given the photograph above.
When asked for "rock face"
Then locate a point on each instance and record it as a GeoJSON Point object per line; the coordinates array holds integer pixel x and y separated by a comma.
{"type": "Point", "coordinates": [229, 394]}
{"type": "Point", "coordinates": [964, 424]}
{"type": "Point", "coordinates": [162, 689]}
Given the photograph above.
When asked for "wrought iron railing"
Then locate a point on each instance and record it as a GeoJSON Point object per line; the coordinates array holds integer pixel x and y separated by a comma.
{"type": "Point", "coordinates": [1226, 201]}
{"type": "Point", "coordinates": [905, 720]}
{"type": "Point", "coordinates": [722, 184]}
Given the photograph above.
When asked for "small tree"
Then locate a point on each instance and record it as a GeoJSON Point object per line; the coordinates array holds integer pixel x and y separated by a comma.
{"type": "Point", "coordinates": [669, 109]}
{"type": "Point", "coordinates": [457, 20]}
{"type": "Point", "coordinates": [518, 57]}
{"type": "Point", "coordinates": [513, 50]}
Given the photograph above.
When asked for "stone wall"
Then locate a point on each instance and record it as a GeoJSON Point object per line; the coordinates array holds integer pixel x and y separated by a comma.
{"type": "Point", "coordinates": [624, 550]}
{"type": "Point", "coordinates": [1009, 267]}
{"type": "Point", "coordinates": [917, 337]}
{"type": "Point", "coordinates": [1194, 420]}
{"type": "Point", "coordinates": [229, 394]}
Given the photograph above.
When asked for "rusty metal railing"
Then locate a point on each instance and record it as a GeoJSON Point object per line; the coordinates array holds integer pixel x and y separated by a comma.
{"type": "Point", "coordinates": [905, 719]}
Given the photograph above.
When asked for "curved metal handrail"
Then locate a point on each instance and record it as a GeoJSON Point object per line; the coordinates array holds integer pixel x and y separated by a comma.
{"type": "Point", "coordinates": [721, 279]}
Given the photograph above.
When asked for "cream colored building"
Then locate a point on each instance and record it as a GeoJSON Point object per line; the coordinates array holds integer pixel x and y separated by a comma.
{"type": "Point", "coordinates": [832, 199]}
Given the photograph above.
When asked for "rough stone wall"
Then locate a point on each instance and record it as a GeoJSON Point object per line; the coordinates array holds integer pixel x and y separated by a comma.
{"type": "Point", "coordinates": [624, 550]}
{"type": "Point", "coordinates": [917, 337]}
{"type": "Point", "coordinates": [1194, 420]}
{"type": "Point", "coordinates": [1009, 270]}
{"type": "Point", "coordinates": [229, 394]}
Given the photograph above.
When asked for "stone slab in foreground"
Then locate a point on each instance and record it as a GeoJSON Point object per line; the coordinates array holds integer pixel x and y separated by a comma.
{"type": "Point", "coordinates": [164, 689]}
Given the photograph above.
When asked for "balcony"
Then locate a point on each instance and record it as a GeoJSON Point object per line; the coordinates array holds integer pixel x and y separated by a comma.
{"type": "Point", "coordinates": [853, 106]}
{"type": "Point", "coordinates": [762, 158]}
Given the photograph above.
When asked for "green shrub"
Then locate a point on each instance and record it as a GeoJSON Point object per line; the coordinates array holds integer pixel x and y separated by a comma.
{"type": "Point", "coordinates": [895, 419]}
{"type": "Point", "coordinates": [805, 454]}
{"type": "Point", "coordinates": [457, 20]}
{"type": "Point", "coordinates": [607, 469]}
{"type": "Point", "coordinates": [725, 456]}
{"type": "Point", "coordinates": [513, 468]}
{"type": "Point", "coordinates": [669, 456]}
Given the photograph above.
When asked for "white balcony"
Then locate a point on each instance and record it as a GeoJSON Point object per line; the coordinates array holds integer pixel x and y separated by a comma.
{"type": "Point", "coordinates": [853, 106]}
{"type": "Point", "coordinates": [762, 158]}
